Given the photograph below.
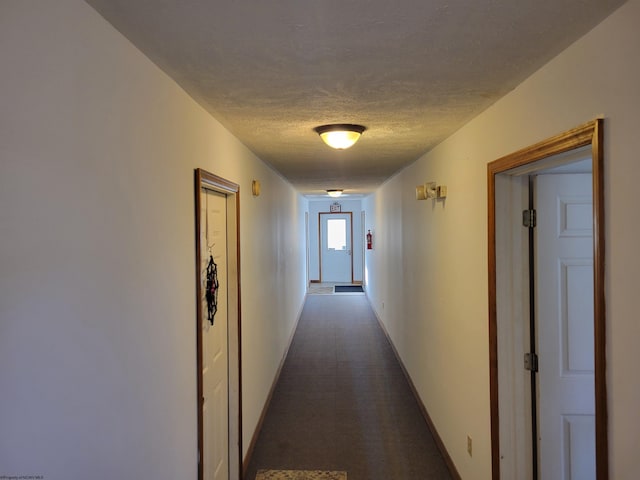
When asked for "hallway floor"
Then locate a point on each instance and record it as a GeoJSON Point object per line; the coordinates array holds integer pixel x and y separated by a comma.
{"type": "Point", "coordinates": [342, 402]}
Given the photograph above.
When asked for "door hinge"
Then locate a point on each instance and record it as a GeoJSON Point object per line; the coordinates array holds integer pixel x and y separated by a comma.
{"type": "Point", "coordinates": [529, 218]}
{"type": "Point", "coordinates": [531, 362]}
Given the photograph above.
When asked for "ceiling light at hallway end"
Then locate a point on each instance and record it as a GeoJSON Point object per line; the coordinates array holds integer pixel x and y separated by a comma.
{"type": "Point", "coordinates": [340, 135]}
{"type": "Point", "coordinates": [334, 193]}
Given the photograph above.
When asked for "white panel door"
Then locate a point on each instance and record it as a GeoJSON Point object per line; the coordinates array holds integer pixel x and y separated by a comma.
{"type": "Point", "coordinates": [564, 304]}
{"type": "Point", "coordinates": [215, 382]}
{"type": "Point", "coordinates": [335, 247]}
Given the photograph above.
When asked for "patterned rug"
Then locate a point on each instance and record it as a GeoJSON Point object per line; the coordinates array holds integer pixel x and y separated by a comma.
{"type": "Point", "coordinates": [320, 289]}
{"type": "Point", "coordinates": [300, 475]}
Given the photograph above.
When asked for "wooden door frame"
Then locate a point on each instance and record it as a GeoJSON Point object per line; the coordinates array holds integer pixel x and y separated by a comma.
{"type": "Point", "coordinates": [588, 134]}
{"type": "Point", "coordinates": [204, 179]}
{"type": "Point", "coordinates": [320, 239]}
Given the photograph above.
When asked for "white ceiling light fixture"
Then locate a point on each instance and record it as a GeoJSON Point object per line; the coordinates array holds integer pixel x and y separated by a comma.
{"type": "Point", "coordinates": [340, 135]}
{"type": "Point", "coordinates": [334, 193]}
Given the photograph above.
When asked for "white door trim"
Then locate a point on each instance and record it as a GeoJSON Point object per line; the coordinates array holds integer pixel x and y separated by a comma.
{"type": "Point", "coordinates": [204, 179]}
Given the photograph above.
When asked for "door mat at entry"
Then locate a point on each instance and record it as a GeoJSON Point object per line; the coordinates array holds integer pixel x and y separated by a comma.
{"type": "Point", "coordinates": [348, 288]}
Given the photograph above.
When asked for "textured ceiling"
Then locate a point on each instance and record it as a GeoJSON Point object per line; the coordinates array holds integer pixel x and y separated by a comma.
{"type": "Point", "coordinates": [411, 71]}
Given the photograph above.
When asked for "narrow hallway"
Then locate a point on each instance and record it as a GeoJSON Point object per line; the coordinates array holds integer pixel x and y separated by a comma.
{"type": "Point", "coordinates": [342, 402]}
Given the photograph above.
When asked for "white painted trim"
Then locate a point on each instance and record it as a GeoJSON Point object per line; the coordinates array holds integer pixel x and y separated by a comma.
{"type": "Point", "coordinates": [512, 327]}
{"type": "Point", "coordinates": [512, 303]}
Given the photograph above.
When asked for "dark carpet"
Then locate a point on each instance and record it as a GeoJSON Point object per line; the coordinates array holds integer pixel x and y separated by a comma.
{"type": "Point", "coordinates": [348, 288]}
{"type": "Point", "coordinates": [342, 402]}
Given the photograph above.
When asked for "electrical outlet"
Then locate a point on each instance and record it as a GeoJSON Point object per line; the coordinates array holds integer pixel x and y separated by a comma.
{"type": "Point", "coordinates": [469, 446]}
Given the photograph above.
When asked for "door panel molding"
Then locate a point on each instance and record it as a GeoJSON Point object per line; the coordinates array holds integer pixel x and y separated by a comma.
{"type": "Point", "coordinates": [589, 134]}
{"type": "Point", "coordinates": [209, 181]}
{"type": "Point", "coordinates": [564, 325]}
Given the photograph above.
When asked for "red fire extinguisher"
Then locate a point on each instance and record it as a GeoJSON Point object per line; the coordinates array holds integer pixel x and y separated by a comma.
{"type": "Point", "coordinates": [369, 240]}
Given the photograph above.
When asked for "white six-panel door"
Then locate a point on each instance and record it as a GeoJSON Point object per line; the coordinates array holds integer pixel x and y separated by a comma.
{"type": "Point", "coordinates": [215, 382]}
{"type": "Point", "coordinates": [564, 305]}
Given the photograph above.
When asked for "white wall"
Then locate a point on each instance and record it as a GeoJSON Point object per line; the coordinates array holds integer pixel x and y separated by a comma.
{"type": "Point", "coordinates": [97, 261]}
{"type": "Point", "coordinates": [429, 264]}
{"type": "Point", "coordinates": [322, 206]}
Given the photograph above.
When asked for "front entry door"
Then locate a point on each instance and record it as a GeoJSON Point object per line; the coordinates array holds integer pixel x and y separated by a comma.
{"type": "Point", "coordinates": [335, 248]}
{"type": "Point", "coordinates": [565, 326]}
{"type": "Point", "coordinates": [215, 381]}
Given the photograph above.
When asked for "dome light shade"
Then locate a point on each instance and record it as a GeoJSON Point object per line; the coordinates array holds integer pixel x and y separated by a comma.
{"type": "Point", "coordinates": [340, 135]}
{"type": "Point", "coordinates": [334, 193]}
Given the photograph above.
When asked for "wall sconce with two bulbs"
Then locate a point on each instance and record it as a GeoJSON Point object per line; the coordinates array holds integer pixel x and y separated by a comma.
{"type": "Point", "coordinates": [431, 190]}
